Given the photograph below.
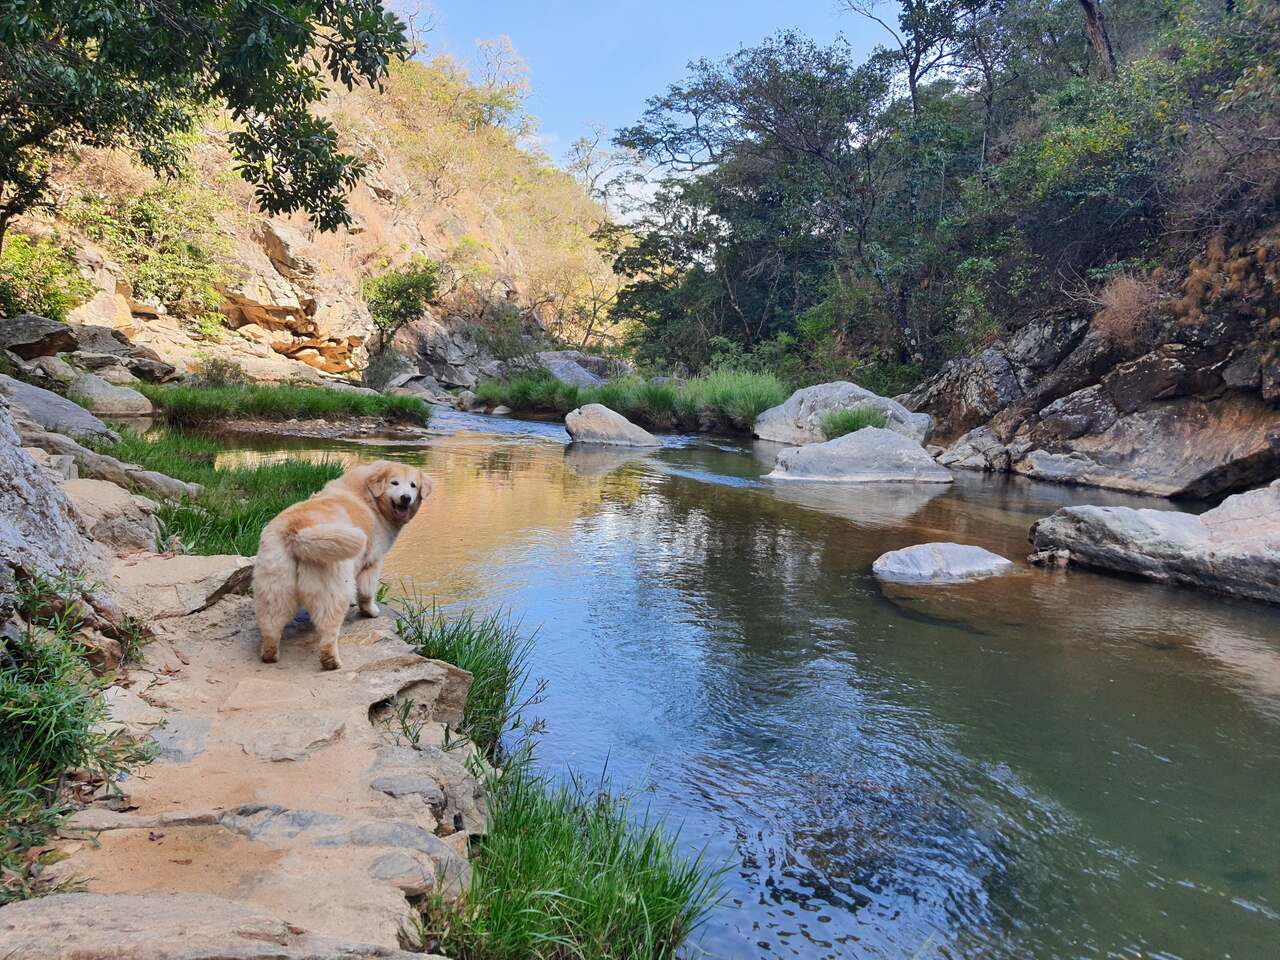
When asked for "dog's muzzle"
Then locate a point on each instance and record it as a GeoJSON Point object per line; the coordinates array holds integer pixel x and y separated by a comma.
{"type": "Point", "coordinates": [401, 505]}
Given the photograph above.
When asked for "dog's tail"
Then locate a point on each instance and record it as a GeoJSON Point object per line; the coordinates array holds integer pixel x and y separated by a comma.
{"type": "Point", "coordinates": [325, 543]}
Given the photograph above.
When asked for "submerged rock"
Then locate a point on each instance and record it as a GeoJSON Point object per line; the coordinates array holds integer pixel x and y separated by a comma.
{"type": "Point", "coordinates": [799, 419]}
{"type": "Point", "coordinates": [870, 455]}
{"type": "Point", "coordinates": [940, 563]}
{"type": "Point", "coordinates": [596, 423]}
{"type": "Point", "coordinates": [1233, 549]}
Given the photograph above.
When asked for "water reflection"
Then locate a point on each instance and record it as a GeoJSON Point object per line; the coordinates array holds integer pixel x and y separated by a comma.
{"type": "Point", "coordinates": [1051, 764]}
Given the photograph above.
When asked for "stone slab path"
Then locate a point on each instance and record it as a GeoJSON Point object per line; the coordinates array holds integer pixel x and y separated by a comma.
{"type": "Point", "coordinates": [287, 813]}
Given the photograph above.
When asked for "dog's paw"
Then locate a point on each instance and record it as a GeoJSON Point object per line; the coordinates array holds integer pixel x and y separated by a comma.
{"type": "Point", "coordinates": [369, 609]}
{"type": "Point", "coordinates": [270, 656]}
{"type": "Point", "coordinates": [330, 663]}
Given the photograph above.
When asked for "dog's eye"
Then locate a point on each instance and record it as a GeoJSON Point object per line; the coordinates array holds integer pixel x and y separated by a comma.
{"type": "Point", "coordinates": [395, 483]}
{"type": "Point", "coordinates": [413, 485]}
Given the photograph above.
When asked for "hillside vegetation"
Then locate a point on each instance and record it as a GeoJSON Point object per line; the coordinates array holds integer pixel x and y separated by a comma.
{"type": "Point", "coordinates": [824, 215]}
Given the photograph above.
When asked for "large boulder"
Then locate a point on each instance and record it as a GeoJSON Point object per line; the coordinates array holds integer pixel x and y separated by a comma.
{"type": "Point", "coordinates": [30, 336]}
{"type": "Point", "coordinates": [113, 516]}
{"type": "Point", "coordinates": [799, 419]}
{"type": "Point", "coordinates": [939, 563]}
{"type": "Point", "coordinates": [1234, 548]}
{"type": "Point", "coordinates": [596, 423]}
{"type": "Point", "coordinates": [38, 531]}
{"type": "Point", "coordinates": [870, 455]}
{"type": "Point", "coordinates": [107, 399]}
{"type": "Point", "coordinates": [54, 412]}
{"type": "Point", "coordinates": [566, 367]}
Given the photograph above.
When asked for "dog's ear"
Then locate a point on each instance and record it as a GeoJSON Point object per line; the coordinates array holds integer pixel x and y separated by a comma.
{"type": "Point", "coordinates": [376, 482]}
{"type": "Point", "coordinates": [426, 486]}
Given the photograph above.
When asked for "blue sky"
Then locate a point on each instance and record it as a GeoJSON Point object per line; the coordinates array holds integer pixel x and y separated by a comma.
{"type": "Point", "coordinates": [597, 62]}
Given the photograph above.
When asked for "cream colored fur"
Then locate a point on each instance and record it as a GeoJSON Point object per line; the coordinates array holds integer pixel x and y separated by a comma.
{"type": "Point", "coordinates": [319, 554]}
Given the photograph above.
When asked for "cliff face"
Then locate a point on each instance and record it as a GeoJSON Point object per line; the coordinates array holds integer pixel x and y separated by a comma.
{"type": "Point", "coordinates": [1188, 407]}
{"type": "Point", "coordinates": [513, 230]}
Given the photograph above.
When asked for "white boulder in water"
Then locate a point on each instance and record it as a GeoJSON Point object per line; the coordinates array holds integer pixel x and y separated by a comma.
{"type": "Point", "coordinates": [869, 455]}
{"type": "Point", "coordinates": [940, 563]}
{"type": "Point", "coordinates": [1233, 548]}
{"type": "Point", "coordinates": [596, 423]}
{"type": "Point", "coordinates": [799, 419]}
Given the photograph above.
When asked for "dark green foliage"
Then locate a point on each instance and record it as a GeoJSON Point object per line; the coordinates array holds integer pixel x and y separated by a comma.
{"type": "Point", "coordinates": [139, 75]}
{"type": "Point", "coordinates": [828, 218]}
{"type": "Point", "coordinates": [38, 276]}
{"type": "Point", "coordinates": [50, 710]}
{"type": "Point", "coordinates": [186, 406]}
{"type": "Point", "coordinates": [238, 499]}
{"type": "Point", "coordinates": [399, 296]}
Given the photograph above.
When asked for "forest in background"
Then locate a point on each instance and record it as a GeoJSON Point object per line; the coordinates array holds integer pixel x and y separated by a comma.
{"type": "Point", "coordinates": [821, 217]}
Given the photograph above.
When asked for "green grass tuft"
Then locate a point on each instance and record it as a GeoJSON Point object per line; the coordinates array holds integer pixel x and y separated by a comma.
{"type": "Point", "coordinates": [189, 406]}
{"type": "Point", "coordinates": [727, 399]}
{"type": "Point", "coordinates": [237, 501]}
{"type": "Point", "coordinates": [836, 423]}
{"type": "Point", "coordinates": [567, 873]}
{"type": "Point", "coordinates": [490, 648]}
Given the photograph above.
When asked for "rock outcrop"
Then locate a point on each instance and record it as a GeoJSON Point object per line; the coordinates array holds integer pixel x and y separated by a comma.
{"type": "Point", "coordinates": [799, 419]}
{"type": "Point", "coordinates": [107, 399]}
{"type": "Point", "coordinates": [939, 563]}
{"type": "Point", "coordinates": [597, 424]}
{"type": "Point", "coordinates": [1233, 548]}
{"type": "Point", "coordinates": [29, 336]}
{"type": "Point", "coordinates": [870, 455]}
{"type": "Point", "coordinates": [53, 412]}
{"type": "Point", "coordinates": [108, 513]}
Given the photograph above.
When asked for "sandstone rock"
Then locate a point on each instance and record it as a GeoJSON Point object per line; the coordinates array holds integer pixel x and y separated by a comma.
{"type": "Point", "coordinates": [117, 374]}
{"type": "Point", "coordinates": [54, 412]}
{"type": "Point", "coordinates": [56, 369]}
{"type": "Point", "coordinates": [466, 400]}
{"type": "Point", "coordinates": [38, 530]}
{"type": "Point", "coordinates": [596, 423]}
{"type": "Point", "coordinates": [799, 419]}
{"type": "Point", "coordinates": [939, 563]}
{"type": "Point", "coordinates": [108, 400]}
{"type": "Point", "coordinates": [870, 455]}
{"type": "Point", "coordinates": [1233, 548]}
{"type": "Point", "coordinates": [30, 336]}
{"type": "Point", "coordinates": [111, 515]}
{"type": "Point", "coordinates": [159, 587]}
{"type": "Point", "coordinates": [565, 367]}
{"type": "Point", "coordinates": [164, 926]}
{"type": "Point", "coordinates": [501, 410]}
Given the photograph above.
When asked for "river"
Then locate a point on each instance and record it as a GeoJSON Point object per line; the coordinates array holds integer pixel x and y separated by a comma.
{"type": "Point", "coordinates": [1051, 764]}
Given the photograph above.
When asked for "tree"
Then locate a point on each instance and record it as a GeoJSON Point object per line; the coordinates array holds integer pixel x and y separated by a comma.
{"type": "Point", "coordinates": [398, 297]}
{"type": "Point", "coordinates": [1095, 25]}
{"type": "Point", "coordinates": [111, 73]}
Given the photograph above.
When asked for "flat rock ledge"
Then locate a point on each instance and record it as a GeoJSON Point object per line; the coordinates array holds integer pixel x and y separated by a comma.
{"type": "Point", "coordinates": [940, 563]}
{"type": "Point", "coordinates": [596, 423]}
{"type": "Point", "coordinates": [869, 455]}
{"type": "Point", "coordinates": [1232, 549]}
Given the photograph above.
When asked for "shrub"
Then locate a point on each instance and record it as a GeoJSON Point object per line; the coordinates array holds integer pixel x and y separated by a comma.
{"type": "Point", "coordinates": [1127, 311]}
{"type": "Point", "coordinates": [185, 406]}
{"type": "Point", "coordinates": [211, 371]}
{"type": "Point", "coordinates": [38, 276]}
{"type": "Point", "coordinates": [837, 423]}
{"type": "Point", "coordinates": [399, 296]}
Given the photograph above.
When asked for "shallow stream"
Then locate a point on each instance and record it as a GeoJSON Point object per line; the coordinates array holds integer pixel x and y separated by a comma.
{"type": "Point", "coordinates": [1046, 765]}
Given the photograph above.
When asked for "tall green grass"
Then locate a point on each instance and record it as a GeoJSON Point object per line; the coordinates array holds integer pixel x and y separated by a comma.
{"type": "Point", "coordinates": [722, 399]}
{"type": "Point", "coordinates": [186, 406]}
{"type": "Point", "coordinates": [563, 872]}
{"type": "Point", "coordinates": [490, 648]}
{"type": "Point", "coordinates": [836, 423]}
{"type": "Point", "coordinates": [237, 501]}
{"type": "Point", "coordinates": [50, 723]}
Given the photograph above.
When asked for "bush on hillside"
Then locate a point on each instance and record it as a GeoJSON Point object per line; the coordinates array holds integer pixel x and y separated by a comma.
{"type": "Point", "coordinates": [38, 276]}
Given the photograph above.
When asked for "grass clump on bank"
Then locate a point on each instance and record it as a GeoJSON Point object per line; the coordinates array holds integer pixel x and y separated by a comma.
{"type": "Point", "coordinates": [722, 399]}
{"type": "Point", "coordinates": [236, 502]}
{"type": "Point", "coordinates": [190, 406]}
{"type": "Point", "coordinates": [563, 873]}
{"type": "Point", "coordinates": [837, 423]}
{"type": "Point", "coordinates": [50, 717]}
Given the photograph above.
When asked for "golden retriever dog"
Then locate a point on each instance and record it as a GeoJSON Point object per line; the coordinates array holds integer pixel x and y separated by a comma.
{"type": "Point", "coordinates": [314, 552]}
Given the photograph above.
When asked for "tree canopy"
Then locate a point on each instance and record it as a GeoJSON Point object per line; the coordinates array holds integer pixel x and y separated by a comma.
{"type": "Point", "coordinates": [109, 73]}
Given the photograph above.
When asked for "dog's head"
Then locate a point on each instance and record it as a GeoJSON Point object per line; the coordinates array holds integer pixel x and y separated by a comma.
{"type": "Point", "coordinates": [397, 489]}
